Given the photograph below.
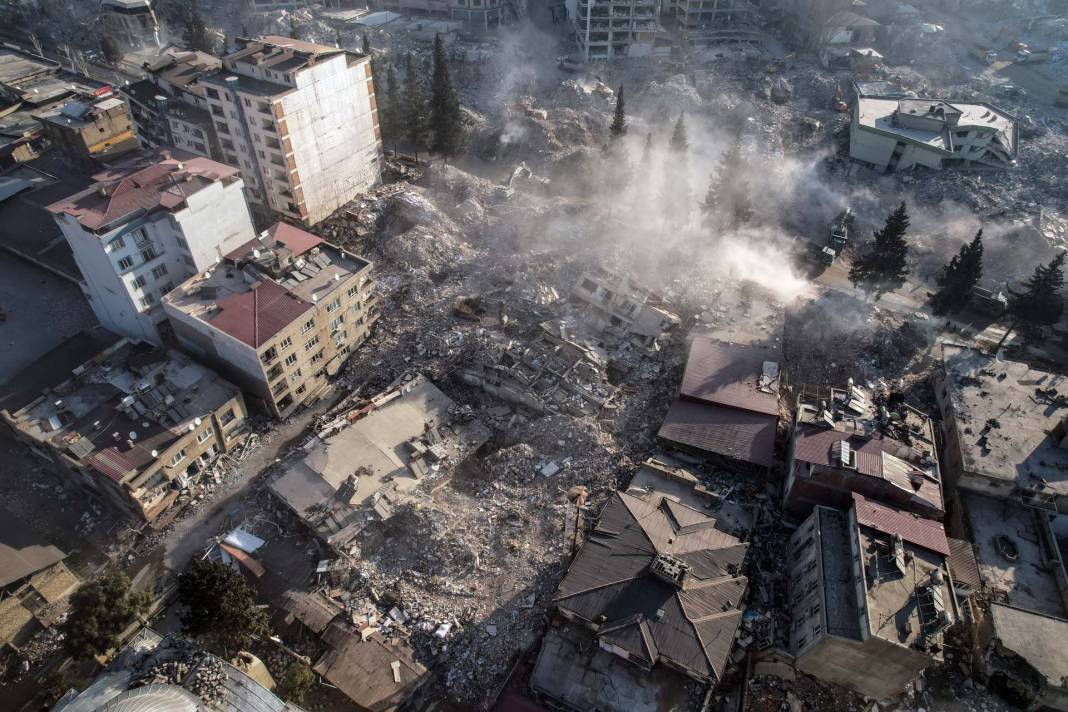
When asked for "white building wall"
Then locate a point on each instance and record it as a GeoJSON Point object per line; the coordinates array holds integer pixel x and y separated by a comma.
{"type": "Point", "coordinates": [214, 222]}
{"type": "Point", "coordinates": [331, 130]}
{"type": "Point", "coordinates": [877, 149]}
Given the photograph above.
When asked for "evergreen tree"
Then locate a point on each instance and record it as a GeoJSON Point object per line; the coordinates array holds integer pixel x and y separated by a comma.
{"type": "Point", "coordinates": [219, 606]}
{"type": "Point", "coordinates": [727, 203]}
{"type": "Point", "coordinates": [365, 45]}
{"type": "Point", "coordinates": [392, 109]}
{"type": "Point", "coordinates": [884, 266]}
{"type": "Point", "coordinates": [196, 35]}
{"type": "Point", "coordinates": [100, 611]}
{"type": "Point", "coordinates": [679, 142]}
{"type": "Point", "coordinates": [1040, 303]}
{"type": "Point", "coordinates": [618, 127]}
{"type": "Point", "coordinates": [647, 150]}
{"type": "Point", "coordinates": [675, 193]}
{"type": "Point", "coordinates": [414, 119]}
{"type": "Point", "coordinates": [446, 120]}
{"type": "Point", "coordinates": [959, 277]}
{"type": "Point", "coordinates": [111, 49]}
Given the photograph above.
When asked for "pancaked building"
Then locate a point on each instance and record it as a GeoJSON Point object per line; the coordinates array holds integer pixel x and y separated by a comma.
{"type": "Point", "coordinates": [870, 596]}
{"type": "Point", "coordinates": [853, 440]}
{"type": "Point", "coordinates": [278, 315]}
{"type": "Point", "coordinates": [35, 585]}
{"type": "Point", "coordinates": [131, 424]}
{"type": "Point", "coordinates": [617, 306]}
{"type": "Point", "coordinates": [656, 591]}
{"type": "Point", "coordinates": [728, 405]}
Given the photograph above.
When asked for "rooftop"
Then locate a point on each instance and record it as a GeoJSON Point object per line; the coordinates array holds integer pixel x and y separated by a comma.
{"type": "Point", "coordinates": [1037, 639]}
{"type": "Point", "coordinates": [267, 284]}
{"type": "Point", "coordinates": [402, 437]}
{"type": "Point", "coordinates": [152, 181]}
{"type": "Point", "coordinates": [279, 53]}
{"type": "Point", "coordinates": [663, 582]}
{"type": "Point", "coordinates": [18, 563]}
{"type": "Point", "coordinates": [878, 113]}
{"type": "Point", "coordinates": [1005, 412]}
{"type": "Point", "coordinates": [739, 376]}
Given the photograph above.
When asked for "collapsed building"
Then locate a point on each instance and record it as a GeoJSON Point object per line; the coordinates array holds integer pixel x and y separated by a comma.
{"type": "Point", "coordinates": [847, 440]}
{"type": "Point", "coordinates": [617, 306]}
{"type": "Point", "coordinates": [900, 134]}
{"type": "Point", "coordinates": [476, 15]}
{"type": "Point", "coordinates": [620, 28]}
{"type": "Point", "coordinates": [132, 425]}
{"type": "Point", "coordinates": [372, 460]}
{"type": "Point", "coordinates": [728, 405]}
{"type": "Point", "coordinates": [278, 315]}
{"type": "Point", "coordinates": [870, 590]}
{"type": "Point", "coordinates": [656, 592]}
{"type": "Point", "coordinates": [35, 585]}
{"type": "Point", "coordinates": [167, 672]}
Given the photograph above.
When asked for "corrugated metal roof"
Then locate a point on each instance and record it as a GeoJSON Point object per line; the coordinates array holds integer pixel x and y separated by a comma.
{"type": "Point", "coordinates": [111, 463]}
{"type": "Point", "coordinates": [362, 669]}
{"type": "Point", "coordinates": [736, 434]}
{"type": "Point", "coordinates": [256, 316]}
{"type": "Point", "coordinates": [730, 375]}
{"type": "Point", "coordinates": [912, 528]}
{"type": "Point", "coordinates": [962, 564]}
{"type": "Point", "coordinates": [315, 612]}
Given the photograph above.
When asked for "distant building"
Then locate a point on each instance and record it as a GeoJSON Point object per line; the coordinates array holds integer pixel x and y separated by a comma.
{"type": "Point", "coordinates": [147, 225]}
{"type": "Point", "coordinates": [899, 134]}
{"type": "Point", "coordinates": [870, 590]}
{"type": "Point", "coordinates": [652, 601]}
{"type": "Point", "coordinates": [269, 5]}
{"type": "Point", "coordinates": [131, 22]}
{"type": "Point", "coordinates": [1005, 426]}
{"type": "Point", "coordinates": [399, 440]}
{"type": "Point", "coordinates": [138, 678]}
{"type": "Point", "coordinates": [475, 14]}
{"type": "Point", "coordinates": [132, 424]}
{"type": "Point", "coordinates": [87, 130]}
{"type": "Point", "coordinates": [845, 441]}
{"type": "Point", "coordinates": [278, 315]}
{"type": "Point", "coordinates": [617, 29]}
{"type": "Point", "coordinates": [296, 161]}
{"type": "Point", "coordinates": [728, 405]}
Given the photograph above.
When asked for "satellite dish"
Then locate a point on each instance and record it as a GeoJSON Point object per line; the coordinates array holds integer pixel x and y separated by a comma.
{"type": "Point", "coordinates": [192, 427]}
{"type": "Point", "coordinates": [155, 453]}
{"type": "Point", "coordinates": [1000, 356]}
{"type": "Point", "coordinates": [133, 435]}
{"type": "Point", "coordinates": [196, 421]}
{"type": "Point", "coordinates": [145, 424]}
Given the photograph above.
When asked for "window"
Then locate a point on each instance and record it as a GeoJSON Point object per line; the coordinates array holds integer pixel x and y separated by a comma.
{"type": "Point", "coordinates": [336, 324]}
{"type": "Point", "coordinates": [203, 435]}
{"type": "Point", "coordinates": [165, 288]}
{"type": "Point", "coordinates": [140, 237]}
{"type": "Point", "coordinates": [158, 271]}
{"type": "Point", "coordinates": [182, 243]}
{"type": "Point", "coordinates": [308, 326]}
{"type": "Point", "coordinates": [116, 243]}
{"type": "Point", "coordinates": [147, 301]}
{"type": "Point", "coordinates": [300, 389]}
{"type": "Point", "coordinates": [308, 345]}
{"type": "Point", "coordinates": [317, 357]}
{"type": "Point", "coordinates": [291, 359]}
{"type": "Point", "coordinates": [589, 285]}
{"type": "Point", "coordinates": [299, 373]}
{"type": "Point", "coordinates": [353, 291]}
{"type": "Point", "coordinates": [339, 338]}
{"type": "Point", "coordinates": [126, 263]}
{"type": "Point", "coordinates": [333, 306]}
{"type": "Point", "coordinates": [285, 343]}
{"type": "Point", "coordinates": [247, 102]}
{"type": "Point", "coordinates": [227, 417]}
{"type": "Point", "coordinates": [148, 254]}
{"type": "Point", "coordinates": [189, 260]}
{"type": "Point", "coordinates": [138, 282]}
{"type": "Point", "coordinates": [178, 457]}
{"type": "Point", "coordinates": [320, 373]}
{"type": "Point", "coordinates": [212, 94]}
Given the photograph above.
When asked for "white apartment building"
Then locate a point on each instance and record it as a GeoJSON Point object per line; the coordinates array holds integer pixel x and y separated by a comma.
{"type": "Point", "coordinates": [300, 121]}
{"type": "Point", "coordinates": [898, 134]}
{"type": "Point", "coordinates": [132, 22]}
{"type": "Point", "coordinates": [147, 225]}
{"type": "Point", "coordinates": [612, 29]}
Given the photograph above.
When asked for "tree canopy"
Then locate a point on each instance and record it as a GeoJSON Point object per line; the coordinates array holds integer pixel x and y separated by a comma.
{"type": "Point", "coordinates": [959, 277]}
{"type": "Point", "coordinates": [618, 127]}
{"type": "Point", "coordinates": [196, 34]}
{"type": "Point", "coordinates": [100, 611]}
{"type": "Point", "coordinates": [446, 119]}
{"type": "Point", "coordinates": [219, 606]}
{"type": "Point", "coordinates": [1039, 303]}
{"type": "Point", "coordinates": [884, 266]}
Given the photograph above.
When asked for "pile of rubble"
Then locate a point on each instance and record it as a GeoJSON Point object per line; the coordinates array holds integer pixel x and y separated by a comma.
{"type": "Point", "coordinates": [202, 674]}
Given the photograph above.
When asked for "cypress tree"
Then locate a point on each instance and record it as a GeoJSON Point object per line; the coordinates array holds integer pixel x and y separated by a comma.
{"type": "Point", "coordinates": [647, 150]}
{"type": "Point", "coordinates": [196, 35]}
{"type": "Point", "coordinates": [413, 119]}
{"type": "Point", "coordinates": [446, 121]}
{"type": "Point", "coordinates": [675, 185]}
{"type": "Point", "coordinates": [392, 110]}
{"type": "Point", "coordinates": [365, 45]}
{"type": "Point", "coordinates": [618, 127]}
{"type": "Point", "coordinates": [959, 277]}
{"type": "Point", "coordinates": [1040, 303]}
{"type": "Point", "coordinates": [679, 142]}
{"type": "Point", "coordinates": [884, 266]}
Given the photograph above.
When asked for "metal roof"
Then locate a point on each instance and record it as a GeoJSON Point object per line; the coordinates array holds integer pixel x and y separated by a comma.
{"type": "Point", "coordinates": [730, 432]}
{"type": "Point", "coordinates": [732, 375]}
{"type": "Point", "coordinates": [917, 530]}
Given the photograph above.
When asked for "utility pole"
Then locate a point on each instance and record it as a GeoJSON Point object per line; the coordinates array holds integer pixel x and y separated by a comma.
{"type": "Point", "coordinates": [577, 495]}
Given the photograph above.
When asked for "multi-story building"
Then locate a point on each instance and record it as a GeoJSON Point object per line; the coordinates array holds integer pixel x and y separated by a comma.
{"type": "Point", "coordinates": [614, 29]}
{"type": "Point", "coordinates": [170, 107]}
{"type": "Point", "coordinates": [270, 5]}
{"type": "Point", "coordinates": [147, 225]}
{"type": "Point", "coordinates": [618, 306]}
{"type": "Point", "coordinates": [277, 316]}
{"type": "Point", "coordinates": [897, 134]}
{"type": "Point", "coordinates": [132, 425]}
{"type": "Point", "coordinates": [870, 590]}
{"type": "Point", "coordinates": [475, 14]}
{"type": "Point", "coordinates": [87, 129]}
{"type": "Point", "coordinates": [698, 23]}
{"type": "Point", "coordinates": [131, 22]}
{"type": "Point", "coordinates": [300, 121]}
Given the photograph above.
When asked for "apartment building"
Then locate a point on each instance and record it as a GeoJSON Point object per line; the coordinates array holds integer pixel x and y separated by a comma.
{"type": "Point", "coordinates": [147, 225]}
{"type": "Point", "coordinates": [475, 14]}
{"type": "Point", "coordinates": [898, 134]}
{"type": "Point", "coordinates": [869, 589]}
{"type": "Point", "coordinates": [131, 424]}
{"type": "Point", "coordinates": [617, 29]}
{"type": "Point", "coordinates": [300, 120]}
{"type": "Point", "coordinates": [278, 316]}
{"type": "Point", "coordinates": [131, 22]}
{"type": "Point", "coordinates": [91, 128]}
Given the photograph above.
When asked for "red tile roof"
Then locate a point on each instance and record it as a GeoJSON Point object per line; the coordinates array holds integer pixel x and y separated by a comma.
{"type": "Point", "coordinates": [728, 374]}
{"type": "Point", "coordinates": [736, 434]}
{"type": "Point", "coordinates": [111, 463]}
{"type": "Point", "coordinates": [255, 316]}
{"type": "Point", "coordinates": [296, 240]}
{"type": "Point", "coordinates": [158, 180]}
{"type": "Point", "coordinates": [926, 533]}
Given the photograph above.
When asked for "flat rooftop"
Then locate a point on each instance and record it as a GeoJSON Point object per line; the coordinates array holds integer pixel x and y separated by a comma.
{"type": "Point", "coordinates": [843, 616]}
{"type": "Point", "coordinates": [1011, 555]}
{"type": "Point", "coordinates": [16, 66]}
{"type": "Point", "coordinates": [877, 113]}
{"type": "Point", "coordinates": [1005, 411]}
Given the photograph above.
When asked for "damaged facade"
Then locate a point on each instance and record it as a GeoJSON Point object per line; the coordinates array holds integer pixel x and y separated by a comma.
{"type": "Point", "coordinates": [278, 315]}
{"type": "Point", "coordinates": [34, 587]}
{"type": "Point", "coordinates": [132, 22]}
{"type": "Point", "coordinates": [146, 225]}
{"type": "Point", "coordinates": [131, 425]}
{"type": "Point", "coordinates": [869, 590]}
{"type": "Point", "coordinates": [617, 29]}
{"type": "Point", "coordinates": [618, 306]}
{"type": "Point", "coordinates": [899, 134]}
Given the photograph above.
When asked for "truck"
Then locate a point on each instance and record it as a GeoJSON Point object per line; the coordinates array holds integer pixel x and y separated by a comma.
{"type": "Point", "coordinates": [837, 239]}
{"type": "Point", "coordinates": [982, 53]}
